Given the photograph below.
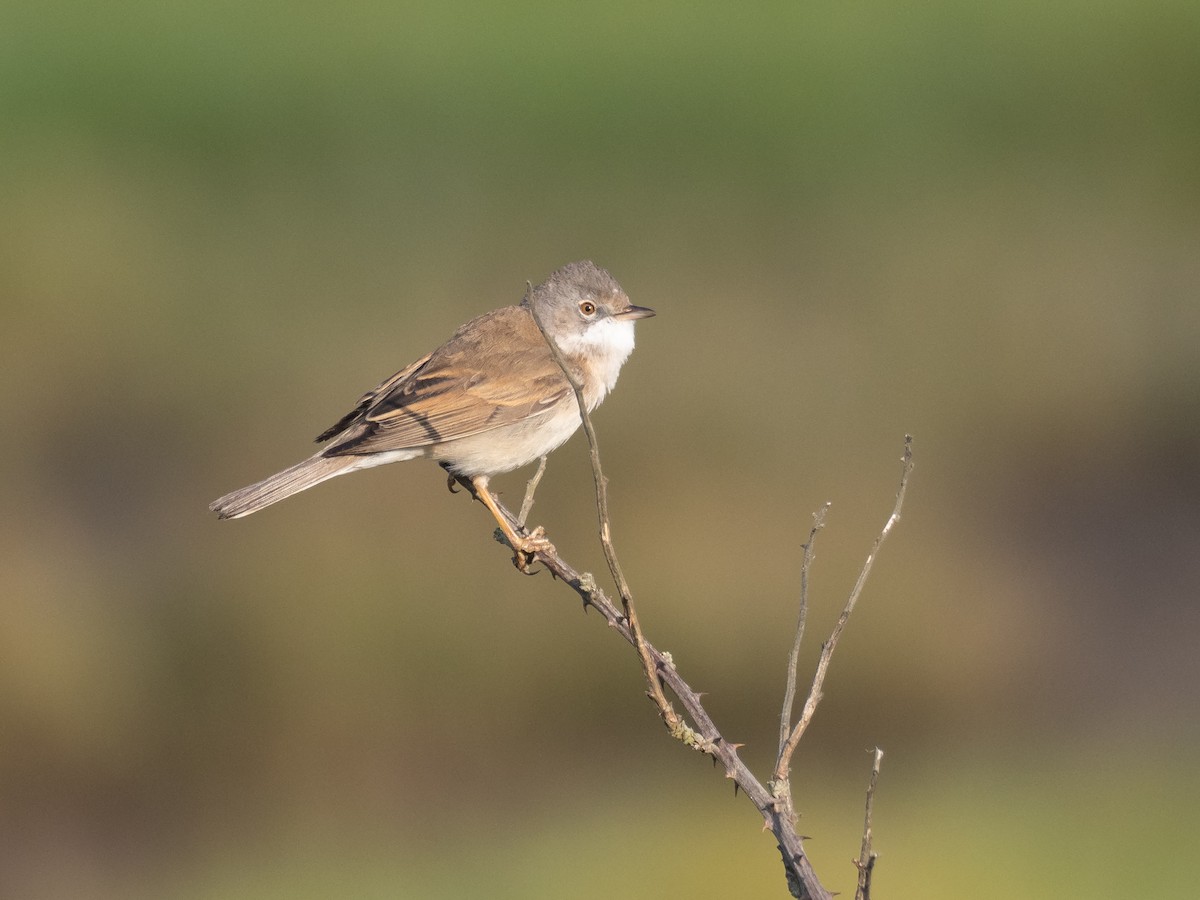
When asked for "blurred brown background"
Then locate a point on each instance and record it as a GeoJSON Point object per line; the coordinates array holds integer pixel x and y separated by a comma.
{"type": "Point", "coordinates": [976, 222]}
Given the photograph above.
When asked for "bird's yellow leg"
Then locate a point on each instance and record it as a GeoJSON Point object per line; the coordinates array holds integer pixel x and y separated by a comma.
{"type": "Point", "coordinates": [525, 547]}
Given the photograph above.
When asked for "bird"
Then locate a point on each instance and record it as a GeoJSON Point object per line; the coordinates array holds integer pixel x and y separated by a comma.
{"type": "Point", "coordinates": [489, 400]}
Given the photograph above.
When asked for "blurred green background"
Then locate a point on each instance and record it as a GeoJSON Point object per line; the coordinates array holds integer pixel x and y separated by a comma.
{"type": "Point", "coordinates": [976, 222]}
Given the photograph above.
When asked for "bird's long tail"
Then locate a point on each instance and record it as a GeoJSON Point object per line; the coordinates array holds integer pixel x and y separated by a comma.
{"type": "Point", "coordinates": [281, 485]}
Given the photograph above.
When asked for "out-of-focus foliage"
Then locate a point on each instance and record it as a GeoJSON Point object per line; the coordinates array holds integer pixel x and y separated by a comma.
{"type": "Point", "coordinates": [219, 223]}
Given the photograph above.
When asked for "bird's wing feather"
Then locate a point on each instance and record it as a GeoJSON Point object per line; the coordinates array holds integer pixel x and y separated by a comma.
{"type": "Point", "coordinates": [465, 387]}
{"type": "Point", "coordinates": [366, 400]}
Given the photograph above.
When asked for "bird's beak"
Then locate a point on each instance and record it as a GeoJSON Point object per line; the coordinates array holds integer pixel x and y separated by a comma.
{"type": "Point", "coordinates": [629, 313]}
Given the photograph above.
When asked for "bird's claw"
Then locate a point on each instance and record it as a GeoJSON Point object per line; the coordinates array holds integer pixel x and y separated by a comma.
{"type": "Point", "coordinates": [527, 547]}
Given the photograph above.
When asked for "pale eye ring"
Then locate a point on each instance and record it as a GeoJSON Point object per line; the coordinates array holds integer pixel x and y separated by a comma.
{"type": "Point", "coordinates": [588, 308]}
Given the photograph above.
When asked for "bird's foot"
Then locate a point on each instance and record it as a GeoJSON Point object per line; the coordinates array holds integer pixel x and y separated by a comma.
{"type": "Point", "coordinates": [527, 547]}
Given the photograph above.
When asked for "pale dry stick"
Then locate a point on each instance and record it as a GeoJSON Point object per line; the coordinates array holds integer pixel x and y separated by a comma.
{"type": "Point", "coordinates": [783, 763]}
{"type": "Point", "coordinates": [671, 718]}
{"type": "Point", "coordinates": [704, 736]}
{"type": "Point", "coordinates": [530, 488]}
{"type": "Point", "coordinates": [775, 805]}
{"type": "Point", "coordinates": [866, 856]}
{"type": "Point", "coordinates": [789, 693]}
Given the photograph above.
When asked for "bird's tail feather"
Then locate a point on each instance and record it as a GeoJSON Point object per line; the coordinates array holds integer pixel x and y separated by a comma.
{"type": "Point", "coordinates": [280, 486]}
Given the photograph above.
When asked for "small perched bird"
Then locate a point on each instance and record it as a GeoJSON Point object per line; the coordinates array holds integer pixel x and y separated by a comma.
{"type": "Point", "coordinates": [489, 400]}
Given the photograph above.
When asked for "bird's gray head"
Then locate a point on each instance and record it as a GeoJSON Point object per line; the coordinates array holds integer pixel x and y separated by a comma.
{"type": "Point", "coordinates": [584, 309]}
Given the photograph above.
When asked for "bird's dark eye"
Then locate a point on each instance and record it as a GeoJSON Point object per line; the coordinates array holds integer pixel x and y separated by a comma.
{"type": "Point", "coordinates": [588, 308]}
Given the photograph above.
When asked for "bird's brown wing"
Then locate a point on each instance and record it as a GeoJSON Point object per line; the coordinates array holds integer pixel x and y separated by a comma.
{"type": "Point", "coordinates": [495, 371]}
{"type": "Point", "coordinates": [368, 399]}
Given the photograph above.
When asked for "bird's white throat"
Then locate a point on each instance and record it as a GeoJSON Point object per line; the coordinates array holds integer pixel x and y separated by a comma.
{"type": "Point", "coordinates": [606, 345]}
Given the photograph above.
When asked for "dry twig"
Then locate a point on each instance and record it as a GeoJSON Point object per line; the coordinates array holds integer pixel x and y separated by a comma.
{"type": "Point", "coordinates": [774, 805]}
{"type": "Point", "coordinates": [703, 734]}
{"type": "Point", "coordinates": [530, 488]}
{"type": "Point", "coordinates": [866, 856]}
{"type": "Point", "coordinates": [815, 693]}
{"type": "Point", "coordinates": [789, 693]}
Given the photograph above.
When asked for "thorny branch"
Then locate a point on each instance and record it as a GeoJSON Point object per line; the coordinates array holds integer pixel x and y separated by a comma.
{"type": "Point", "coordinates": [703, 734]}
{"type": "Point", "coordinates": [774, 805]}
